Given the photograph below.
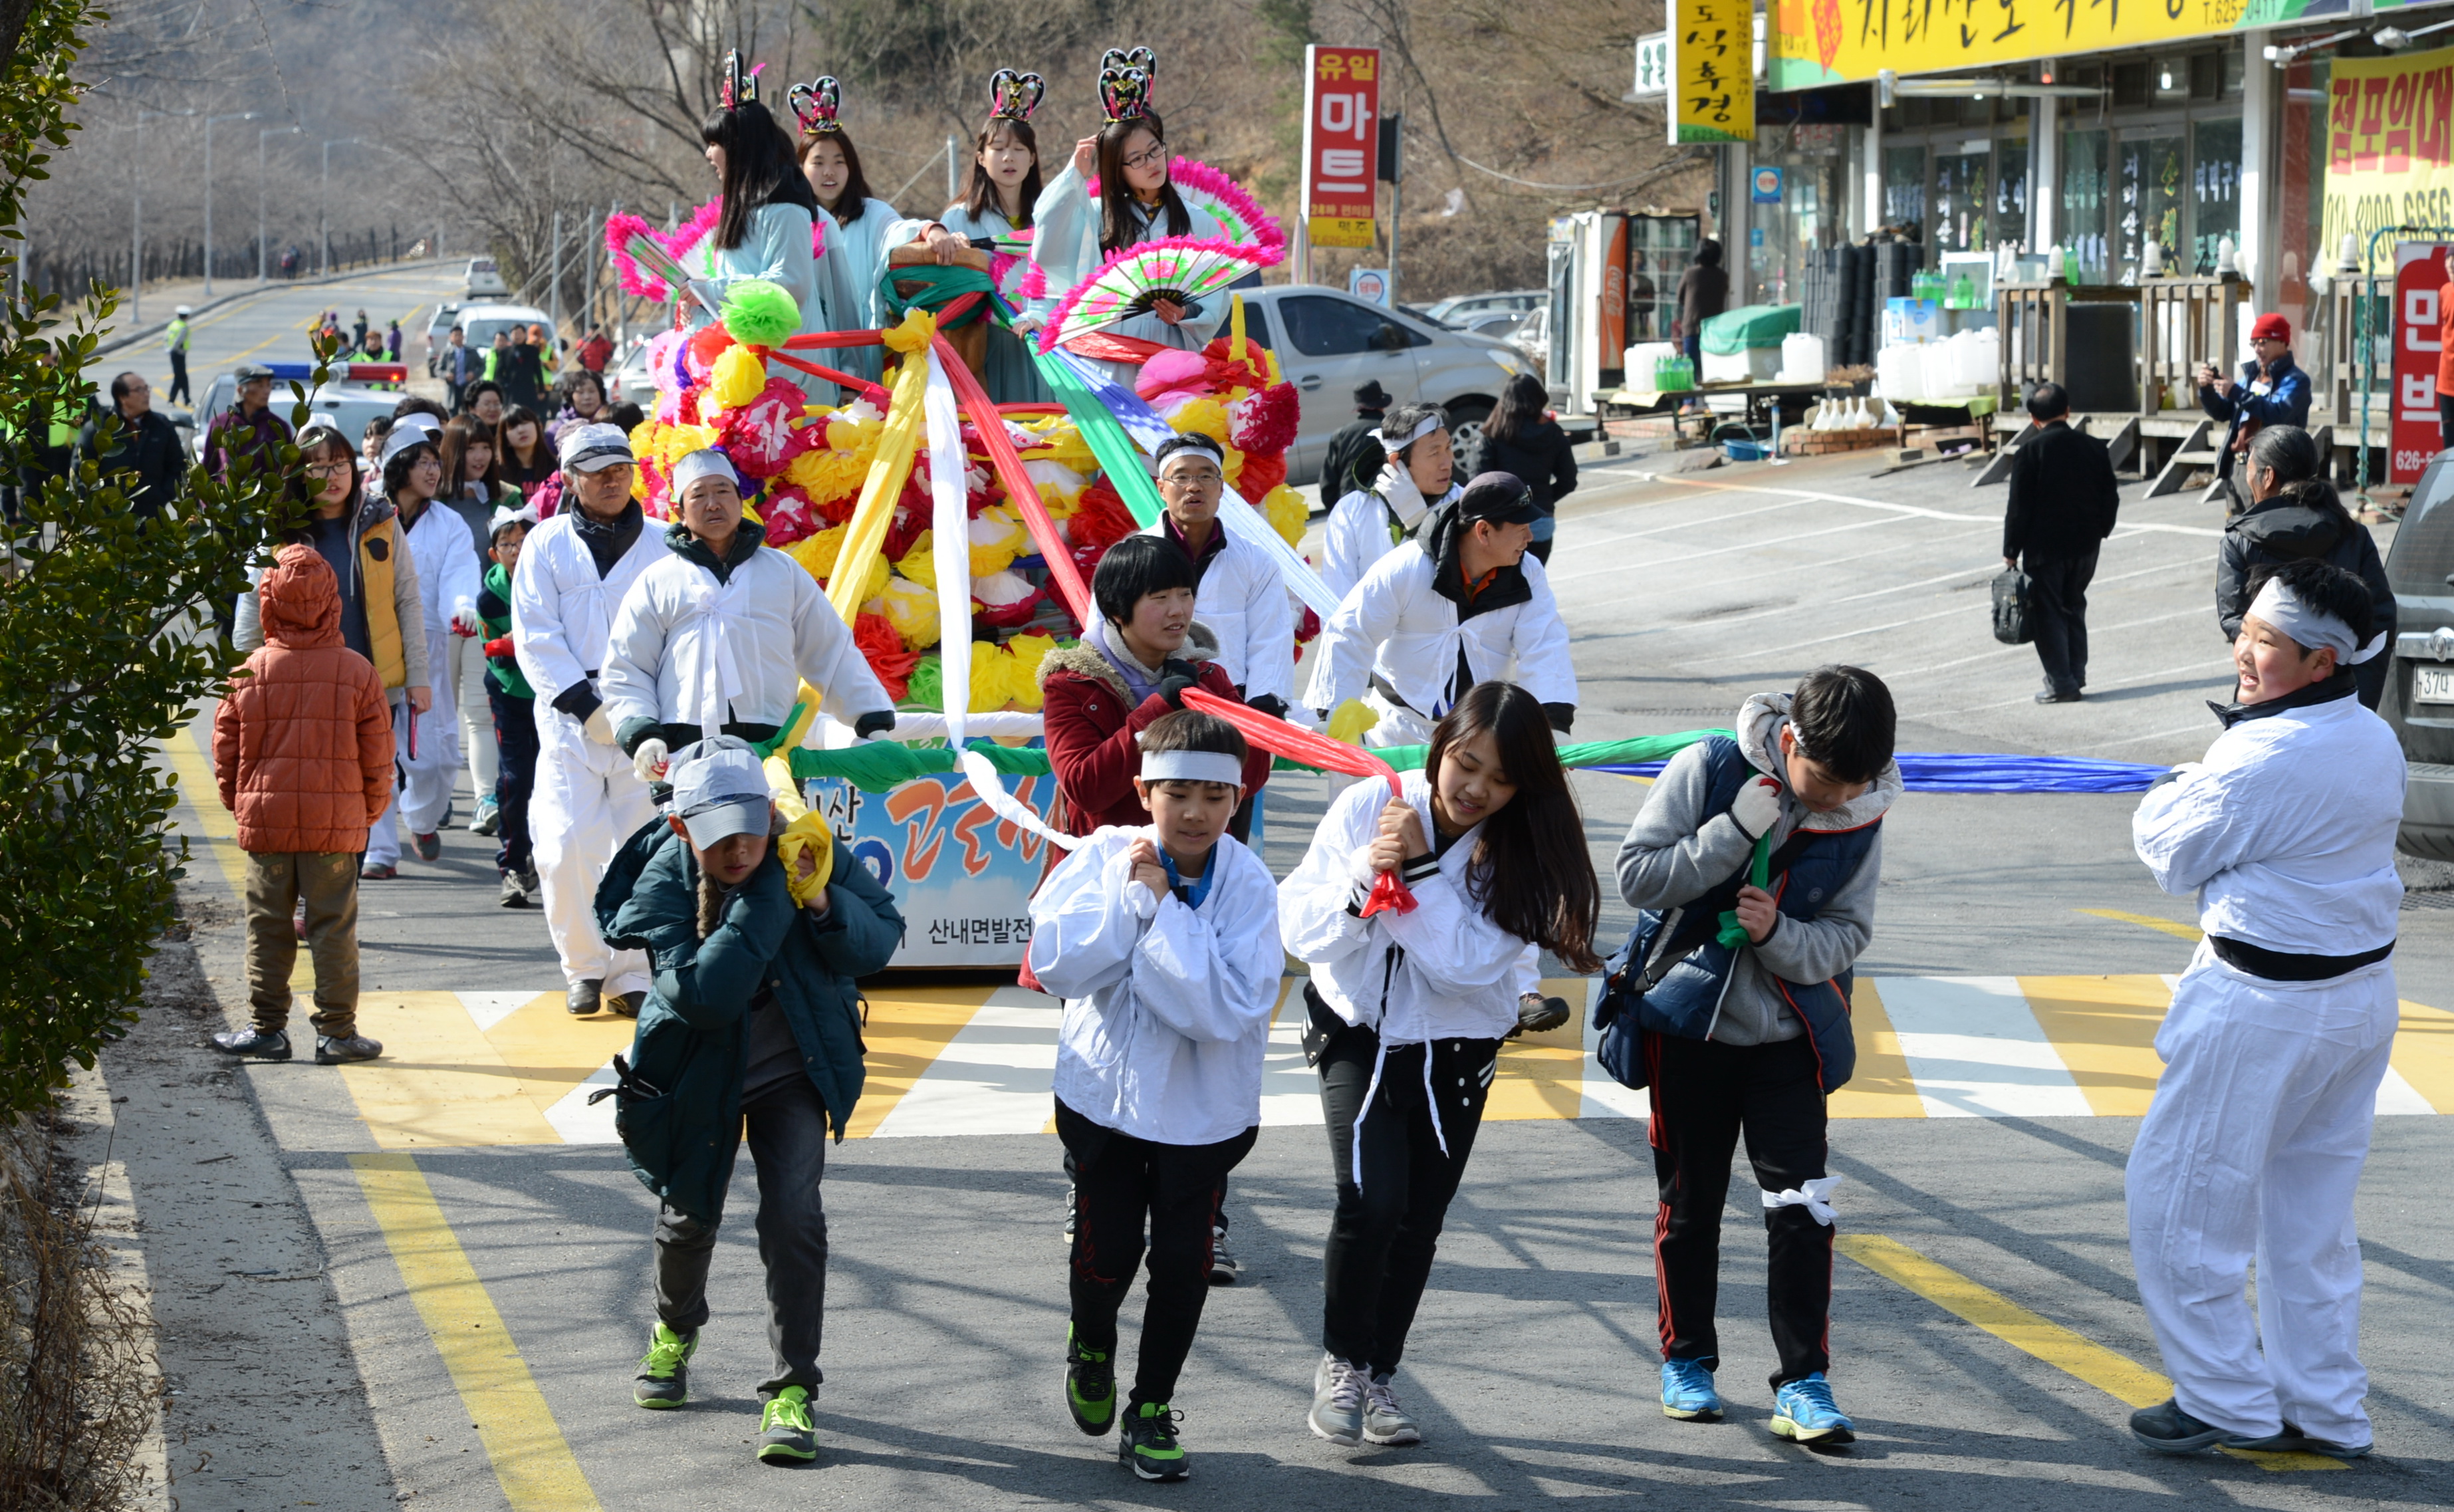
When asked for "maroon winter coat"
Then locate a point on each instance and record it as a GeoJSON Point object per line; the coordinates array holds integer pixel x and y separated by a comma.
{"type": "Point", "coordinates": [1092, 727]}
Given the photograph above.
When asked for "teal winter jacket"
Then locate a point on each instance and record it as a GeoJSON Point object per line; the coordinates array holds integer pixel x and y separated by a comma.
{"type": "Point", "coordinates": [679, 1111]}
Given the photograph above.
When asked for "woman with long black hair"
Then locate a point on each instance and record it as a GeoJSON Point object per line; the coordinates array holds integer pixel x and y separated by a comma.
{"type": "Point", "coordinates": [1520, 438]}
{"type": "Point", "coordinates": [1004, 191]}
{"type": "Point", "coordinates": [1406, 1010]}
{"type": "Point", "coordinates": [855, 226]}
{"type": "Point", "coordinates": [764, 230]}
{"type": "Point", "coordinates": [1136, 204]}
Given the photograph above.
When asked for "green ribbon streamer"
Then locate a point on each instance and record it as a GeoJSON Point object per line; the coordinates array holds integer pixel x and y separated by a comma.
{"type": "Point", "coordinates": [1119, 459]}
{"type": "Point", "coordinates": [940, 287]}
{"type": "Point", "coordinates": [880, 766]}
{"type": "Point", "coordinates": [1734, 934]}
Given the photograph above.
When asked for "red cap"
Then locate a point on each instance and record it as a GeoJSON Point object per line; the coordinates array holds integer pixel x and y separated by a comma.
{"type": "Point", "coordinates": [2271, 327]}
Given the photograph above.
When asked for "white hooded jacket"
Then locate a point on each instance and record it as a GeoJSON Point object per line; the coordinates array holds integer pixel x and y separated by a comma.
{"type": "Point", "coordinates": [447, 569]}
{"type": "Point", "coordinates": [688, 650]}
{"type": "Point", "coordinates": [1167, 1007]}
{"type": "Point", "coordinates": [1444, 970]}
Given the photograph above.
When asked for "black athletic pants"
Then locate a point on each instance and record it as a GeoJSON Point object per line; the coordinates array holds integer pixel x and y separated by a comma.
{"type": "Point", "coordinates": [1120, 1181]}
{"type": "Point", "coordinates": [1382, 1236]}
{"type": "Point", "coordinates": [180, 393]}
{"type": "Point", "coordinates": [516, 736]}
{"type": "Point", "coordinates": [2058, 608]}
{"type": "Point", "coordinates": [1705, 1095]}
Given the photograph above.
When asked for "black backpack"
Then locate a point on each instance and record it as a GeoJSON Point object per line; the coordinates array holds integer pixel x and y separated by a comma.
{"type": "Point", "coordinates": [2012, 625]}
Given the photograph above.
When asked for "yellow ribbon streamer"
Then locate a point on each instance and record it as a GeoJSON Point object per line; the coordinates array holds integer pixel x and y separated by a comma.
{"type": "Point", "coordinates": [892, 464]}
{"type": "Point", "coordinates": [807, 833]}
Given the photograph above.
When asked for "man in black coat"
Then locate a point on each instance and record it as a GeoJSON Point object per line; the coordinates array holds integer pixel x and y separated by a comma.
{"type": "Point", "coordinates": [145, 443]}
{"type": "Point", "coordinates": [2063, 497]}
{"type": "Point", "coordinates": [1355, 456]}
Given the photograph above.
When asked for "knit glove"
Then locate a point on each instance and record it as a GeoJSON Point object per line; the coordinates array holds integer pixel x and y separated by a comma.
{"type": "Point", "coordinates": [1756, 808]}
{"type": "Point", "coordinates": [598, 727]}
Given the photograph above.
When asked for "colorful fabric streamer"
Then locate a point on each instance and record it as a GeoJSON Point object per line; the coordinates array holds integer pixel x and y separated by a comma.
{"type": "Point", "coordinates": [1018, 487]}
{"type": "Point", "coordinates": [1389, 893]}
{"type": "Point", "coordinates": [880, 491]}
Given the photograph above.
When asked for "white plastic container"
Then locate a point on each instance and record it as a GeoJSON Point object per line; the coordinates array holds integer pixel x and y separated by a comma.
{"type": "Point", "coordinates": [1900, 370]}
{"type": "Point", "coordinates": [1640, 360]}
{"type": "Point", "coordinates": [1755, 365]}
{"type": "Point", "coordinates": [1938, 372]}
{"type": "Point", "coordinates": [1802, 358]}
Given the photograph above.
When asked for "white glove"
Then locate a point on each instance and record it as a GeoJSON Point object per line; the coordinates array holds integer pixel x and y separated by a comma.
{"type": "Point", "coordinates": [467, 622]}
{"type": "Point", "coordinates": [598, 727]}
{"type": "Point", "coordinates": [648, 762]}
{"type": "Point", "coordinates": [1757, 807]}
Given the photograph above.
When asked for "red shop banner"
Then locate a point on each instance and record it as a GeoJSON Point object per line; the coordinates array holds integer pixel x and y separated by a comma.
{"type": "Point", "coordinates": [2423, 270]}
{"type": "Point", "coordinates": [1341, 144]}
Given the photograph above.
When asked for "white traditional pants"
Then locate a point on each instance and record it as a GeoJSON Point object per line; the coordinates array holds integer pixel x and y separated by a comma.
{"type": "Point", "coordinates": [476, 714]}
{"type": "Point", "coordinates": [586, 802]}
{"type": "Point", "coordinates": [2254, 1146]}
{"type": "Point", "coordinates": [427, 751]}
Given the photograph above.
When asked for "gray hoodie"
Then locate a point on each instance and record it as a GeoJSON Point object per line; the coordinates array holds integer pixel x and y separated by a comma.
{"type": "Point", "coordinates": [1674, 854]}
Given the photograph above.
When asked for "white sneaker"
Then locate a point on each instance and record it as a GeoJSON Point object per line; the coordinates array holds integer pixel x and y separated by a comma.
{"type": "Point", "coordinates": [1384, 1422]}
{"type": "Point", "coordinates": [1337, 1402]}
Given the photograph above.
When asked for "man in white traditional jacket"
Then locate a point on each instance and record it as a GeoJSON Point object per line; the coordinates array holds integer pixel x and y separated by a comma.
{"type": "Point", "coordinates": [1242, 599]}
{"type": "Point", "coordinates": [574, 570]}
{"type": "Point", "coordinates": [428, 745]}
{"type": "Point", "coordinates": [1369, 523]}
{"type": "Point", "coordinates": [1460, 604]}
{"type": "Point", "coordinates": [2277, 1039]}
{"type": "Point", "coordinates": [718, 635]}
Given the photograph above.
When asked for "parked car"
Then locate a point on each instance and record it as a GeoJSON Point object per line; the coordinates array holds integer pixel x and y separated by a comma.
{"type": "Point", "coordinates": [484, 278]}
{"type": "Point", "coordinates": [2420, 692]}
{"type": "Point", "coordinates": [629, 379]}
{"type": "Point", "coordinates": [1457, 310]}
{"type": "Point", "coordinates": [1329, 344]}
{"type": "Point", "coordinates": [479, 322]}
{"type": "Point", "coordinates": [438, 333]}
{"type": "Point", "coordinates": [1500, 325]}
{"type": "Point", "coordinates": [356, 394]}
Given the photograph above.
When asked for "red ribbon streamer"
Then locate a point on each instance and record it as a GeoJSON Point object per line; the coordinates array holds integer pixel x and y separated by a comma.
{"type": "Point", "coordinates": [1106, 346]}
{"type": "Point", "coordinates": [1314, 749]}
{"type": "Point", "coordinates": [1018, 486]}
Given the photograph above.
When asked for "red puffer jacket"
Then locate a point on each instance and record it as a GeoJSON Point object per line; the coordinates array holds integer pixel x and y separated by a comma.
{"type": "Point", "coordinates": [1092, 725]}
{"type": "Point", "coordinates": [303, 743]}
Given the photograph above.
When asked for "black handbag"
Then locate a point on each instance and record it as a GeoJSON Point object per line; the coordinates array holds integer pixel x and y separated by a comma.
{"type": "Point", "coordinates": [2012, 620]}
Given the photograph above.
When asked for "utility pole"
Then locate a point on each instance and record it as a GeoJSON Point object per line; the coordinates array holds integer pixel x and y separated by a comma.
{"type": "Point", "coordinates": [1393, 172]}
{"type": "Point", "coordinates": [954, 168]}
{"type": "Point", "coordinates": [260, 250]}
{"type": "Point", "coordinates": [236, 115]}
{"type": "Point", "coordinates": [553, 265]}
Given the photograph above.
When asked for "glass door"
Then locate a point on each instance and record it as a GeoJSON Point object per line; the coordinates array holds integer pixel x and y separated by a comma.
{"type": "Point", "coordinates": [1963, 201]}
{"type": "Point", "coordinates": [2154, 188]}
{"type": "Point", "coordinates": [2085, 204]}
{"type": "Point", "coordinates": [2010, 217]}
{"type": "Point", "coordinates": [2215, 190]}
{"type": "Point", "coordinates": [1905, 190]}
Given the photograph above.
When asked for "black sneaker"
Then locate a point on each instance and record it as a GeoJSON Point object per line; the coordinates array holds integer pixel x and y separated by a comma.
{"type": "Point", "coordinates": [664, 1371]}
{"type": "Point", "coordinates": [786, 1436]}
{"type": "Point", "coordinates": [2292, 1441]}
{"type": "Point", "coordinates": [333, 1050]}
{"type": "Point", "coordinates": [2168, 1429]}
{"type": "Point", "coordinates": [1089, 1386]}
{"type": "Point", "coordinates": [1149, 1444]}
{"type": "Point", "coordinates": [512, 894]}
{"type": "Point", "coordinates": [626, 1004]}
{"type": "Point", "coordinates": [255, 1044]}
{"type": "Point", "coordinates": [1537, 1014]}
{"type": "Point", "coordinates": [429, 846]}
{"type": "Point", "coordinates": [586, 995]}
{"type": "Point", "coordinates": [1223, 1270]}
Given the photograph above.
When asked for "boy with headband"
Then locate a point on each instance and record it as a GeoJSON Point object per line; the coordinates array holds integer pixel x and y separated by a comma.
{"type": "Point", "coordinates": [2278, 1036]}
{"type": "Point", "coordinates": [1163, 941]}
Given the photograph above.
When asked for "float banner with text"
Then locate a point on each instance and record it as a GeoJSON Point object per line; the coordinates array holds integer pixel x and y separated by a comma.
{"type": "Point", "coordinates": [2389, 149]}
{"type": "Point", "coordinates": [1811, 43]}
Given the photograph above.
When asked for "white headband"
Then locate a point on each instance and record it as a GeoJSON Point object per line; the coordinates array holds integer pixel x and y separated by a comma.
{"type": "Point", "coordinates": [2310, 626]}
{"type": "Point", "coordinates": [1198, 445]}
{"type": "Point", "coordinates": [704, 463]}
{"type": "Point", "coordinates": [1191, 766]}
{"type": "Point", "coordinates": [1422, 428]}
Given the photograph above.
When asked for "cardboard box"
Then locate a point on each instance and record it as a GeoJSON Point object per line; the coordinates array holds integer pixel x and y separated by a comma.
{"type": "Point", "coordinates": [1911, 322]}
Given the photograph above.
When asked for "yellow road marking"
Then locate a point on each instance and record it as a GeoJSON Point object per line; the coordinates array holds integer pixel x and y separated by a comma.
{"type": "Point", "coordinates": [192, 761]}
{"type": "Point", "coordinates": [1881, 1086]}
{"type": "Point", "coordinates": [532, 1459]}
{"type": "Point", "coordinates": [2424, 1053]}
{"type": "Point", "coordinates": [2118, 1376]}
{"type": "Point", "coordinates": [2104, 1029]}
{"type": "Point", "coordinates": [1544, 1075]}
{"type": "Point", "coordinates": [905, 1031]}
{"type": "Point", "coordinates": [440, 1082]}
{"type": "Point", "coordinates": [2172, 927]}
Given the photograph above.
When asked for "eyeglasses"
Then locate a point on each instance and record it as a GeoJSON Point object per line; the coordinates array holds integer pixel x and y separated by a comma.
{"type": "Point", "coordinates": [1147, 156]}
{"type": "Point", "coordinates": [329, 468]}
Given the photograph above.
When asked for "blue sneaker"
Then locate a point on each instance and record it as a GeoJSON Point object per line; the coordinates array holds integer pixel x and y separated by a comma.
{"type": "Point", "coordinates": [1687, 1392]}
{"type": "Point", "coordinates": [1803, 1411]}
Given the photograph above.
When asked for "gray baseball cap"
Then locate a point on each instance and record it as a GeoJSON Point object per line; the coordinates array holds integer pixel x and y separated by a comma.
{"type": "Point", "coordinates": [719, 790]}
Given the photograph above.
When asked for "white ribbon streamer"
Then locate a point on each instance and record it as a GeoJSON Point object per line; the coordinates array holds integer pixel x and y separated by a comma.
{"type": "Point", "coordinates": [1816, 1198]}
{"type": "Point", "coordinates": [951, 549]}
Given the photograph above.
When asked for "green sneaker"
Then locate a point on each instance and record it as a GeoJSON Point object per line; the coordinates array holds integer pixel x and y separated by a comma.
{"type": "Point", "coordinates": [1090, 1387]}
{"type": "Point", "coordinates": [664, 1370]}
{"type": "Point", "coordinates": [785, 1435]}
{"type": "Point", "coordinates": [1149, 1444]}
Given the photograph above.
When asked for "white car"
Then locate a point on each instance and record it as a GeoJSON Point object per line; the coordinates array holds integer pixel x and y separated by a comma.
{"type": "Point", "coordinates": [484, 278]}
{"type": "Point", "coordinates": [1329, 344]}
{"type": "Point", "coordinates": [479, 322]}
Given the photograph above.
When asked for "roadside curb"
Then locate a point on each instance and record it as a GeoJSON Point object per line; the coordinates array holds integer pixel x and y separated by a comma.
{"type": "Point", "coordinates": [147, 333]}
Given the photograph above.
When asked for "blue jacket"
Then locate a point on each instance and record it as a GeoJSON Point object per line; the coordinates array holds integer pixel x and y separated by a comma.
{"type": "Point", "coordinates": [2287, 402]}
{"type": "Point", "coordinates": [679, 1108]}
{"type": "Point", "coordinates": [1670, 975]}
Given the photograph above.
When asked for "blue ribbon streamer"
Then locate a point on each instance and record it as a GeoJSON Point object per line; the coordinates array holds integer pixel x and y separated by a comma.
{"type": "Point", "coordinates": [1936, 772]}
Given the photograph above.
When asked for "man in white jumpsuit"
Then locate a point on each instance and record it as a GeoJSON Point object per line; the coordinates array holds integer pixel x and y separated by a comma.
{"type": "Point", "coordinates": [2277, 1039]}
{"type": "Point", "coordinates": [574, 570]}
{"type": "Point", "coordinates": [721, 633]}
{"type": "Point", "coordinates": [1371, 522]}
{"type": "Point", "coordinates": [426, 746]}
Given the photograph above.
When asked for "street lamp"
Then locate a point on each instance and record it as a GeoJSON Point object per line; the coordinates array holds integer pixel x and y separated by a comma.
{"type": "Point", "coordinates": [269, 131]}
{"type": "Point", "coordinates": [322, 199]}
{"type": "Point", "coordinates": [137, 220]}
{"type": "Point", "coordinates": [237, 116]}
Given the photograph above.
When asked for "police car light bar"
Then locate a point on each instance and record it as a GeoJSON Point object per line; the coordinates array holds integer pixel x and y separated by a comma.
{"type": "Point", "coordinates": [347, 372]}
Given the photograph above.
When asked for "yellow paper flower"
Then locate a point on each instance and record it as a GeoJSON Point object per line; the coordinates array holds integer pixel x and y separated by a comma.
{"type": "Point", "coordinates": [738, 377]}
{"type": "Point", "coordinates": [1022, 685]}
{"type": "Point", "coordinates": [817, 553]}
{"type": "Point", "coordinates": [997, 539]}
{"type": "Point", "coordinates": [920, 563]}
{"type": "Point", "coordinates": [912, 609]}
{"type": "Point", "coordinates": [1287, 513]}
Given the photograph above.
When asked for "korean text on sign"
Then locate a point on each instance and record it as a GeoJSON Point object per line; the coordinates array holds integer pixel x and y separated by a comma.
{"type": "Point", "coordinates": [1712, 71]}
{"type": "Point", "coordinates": [1341, 144]}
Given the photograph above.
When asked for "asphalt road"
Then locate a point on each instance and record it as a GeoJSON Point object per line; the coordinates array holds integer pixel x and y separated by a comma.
{"type": "Point", "coordinates": [1533, 1366]}
{"type": "Point", "coordinates": [272, 326]}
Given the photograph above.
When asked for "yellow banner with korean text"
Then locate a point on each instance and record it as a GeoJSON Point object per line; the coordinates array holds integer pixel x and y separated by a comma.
{"type": "Point", "coordinates": [2389, 153]}
{"type": "Point", "coordinates": [1712, 71]}
{"type": "Point", "coordinates": [1811, 43]}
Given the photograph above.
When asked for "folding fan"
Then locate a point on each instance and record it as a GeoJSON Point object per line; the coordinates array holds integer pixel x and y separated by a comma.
{"type": "Point", "coordinates": [1185, 269]}
{"type": "Point", "coordinates": [1240, 218]}
{"type": "Point", "coordinates": [651, 258]}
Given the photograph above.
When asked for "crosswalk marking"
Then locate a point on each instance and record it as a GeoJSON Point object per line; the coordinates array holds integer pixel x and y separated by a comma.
{"type": "Point", "coordinates": [513, 1068]}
